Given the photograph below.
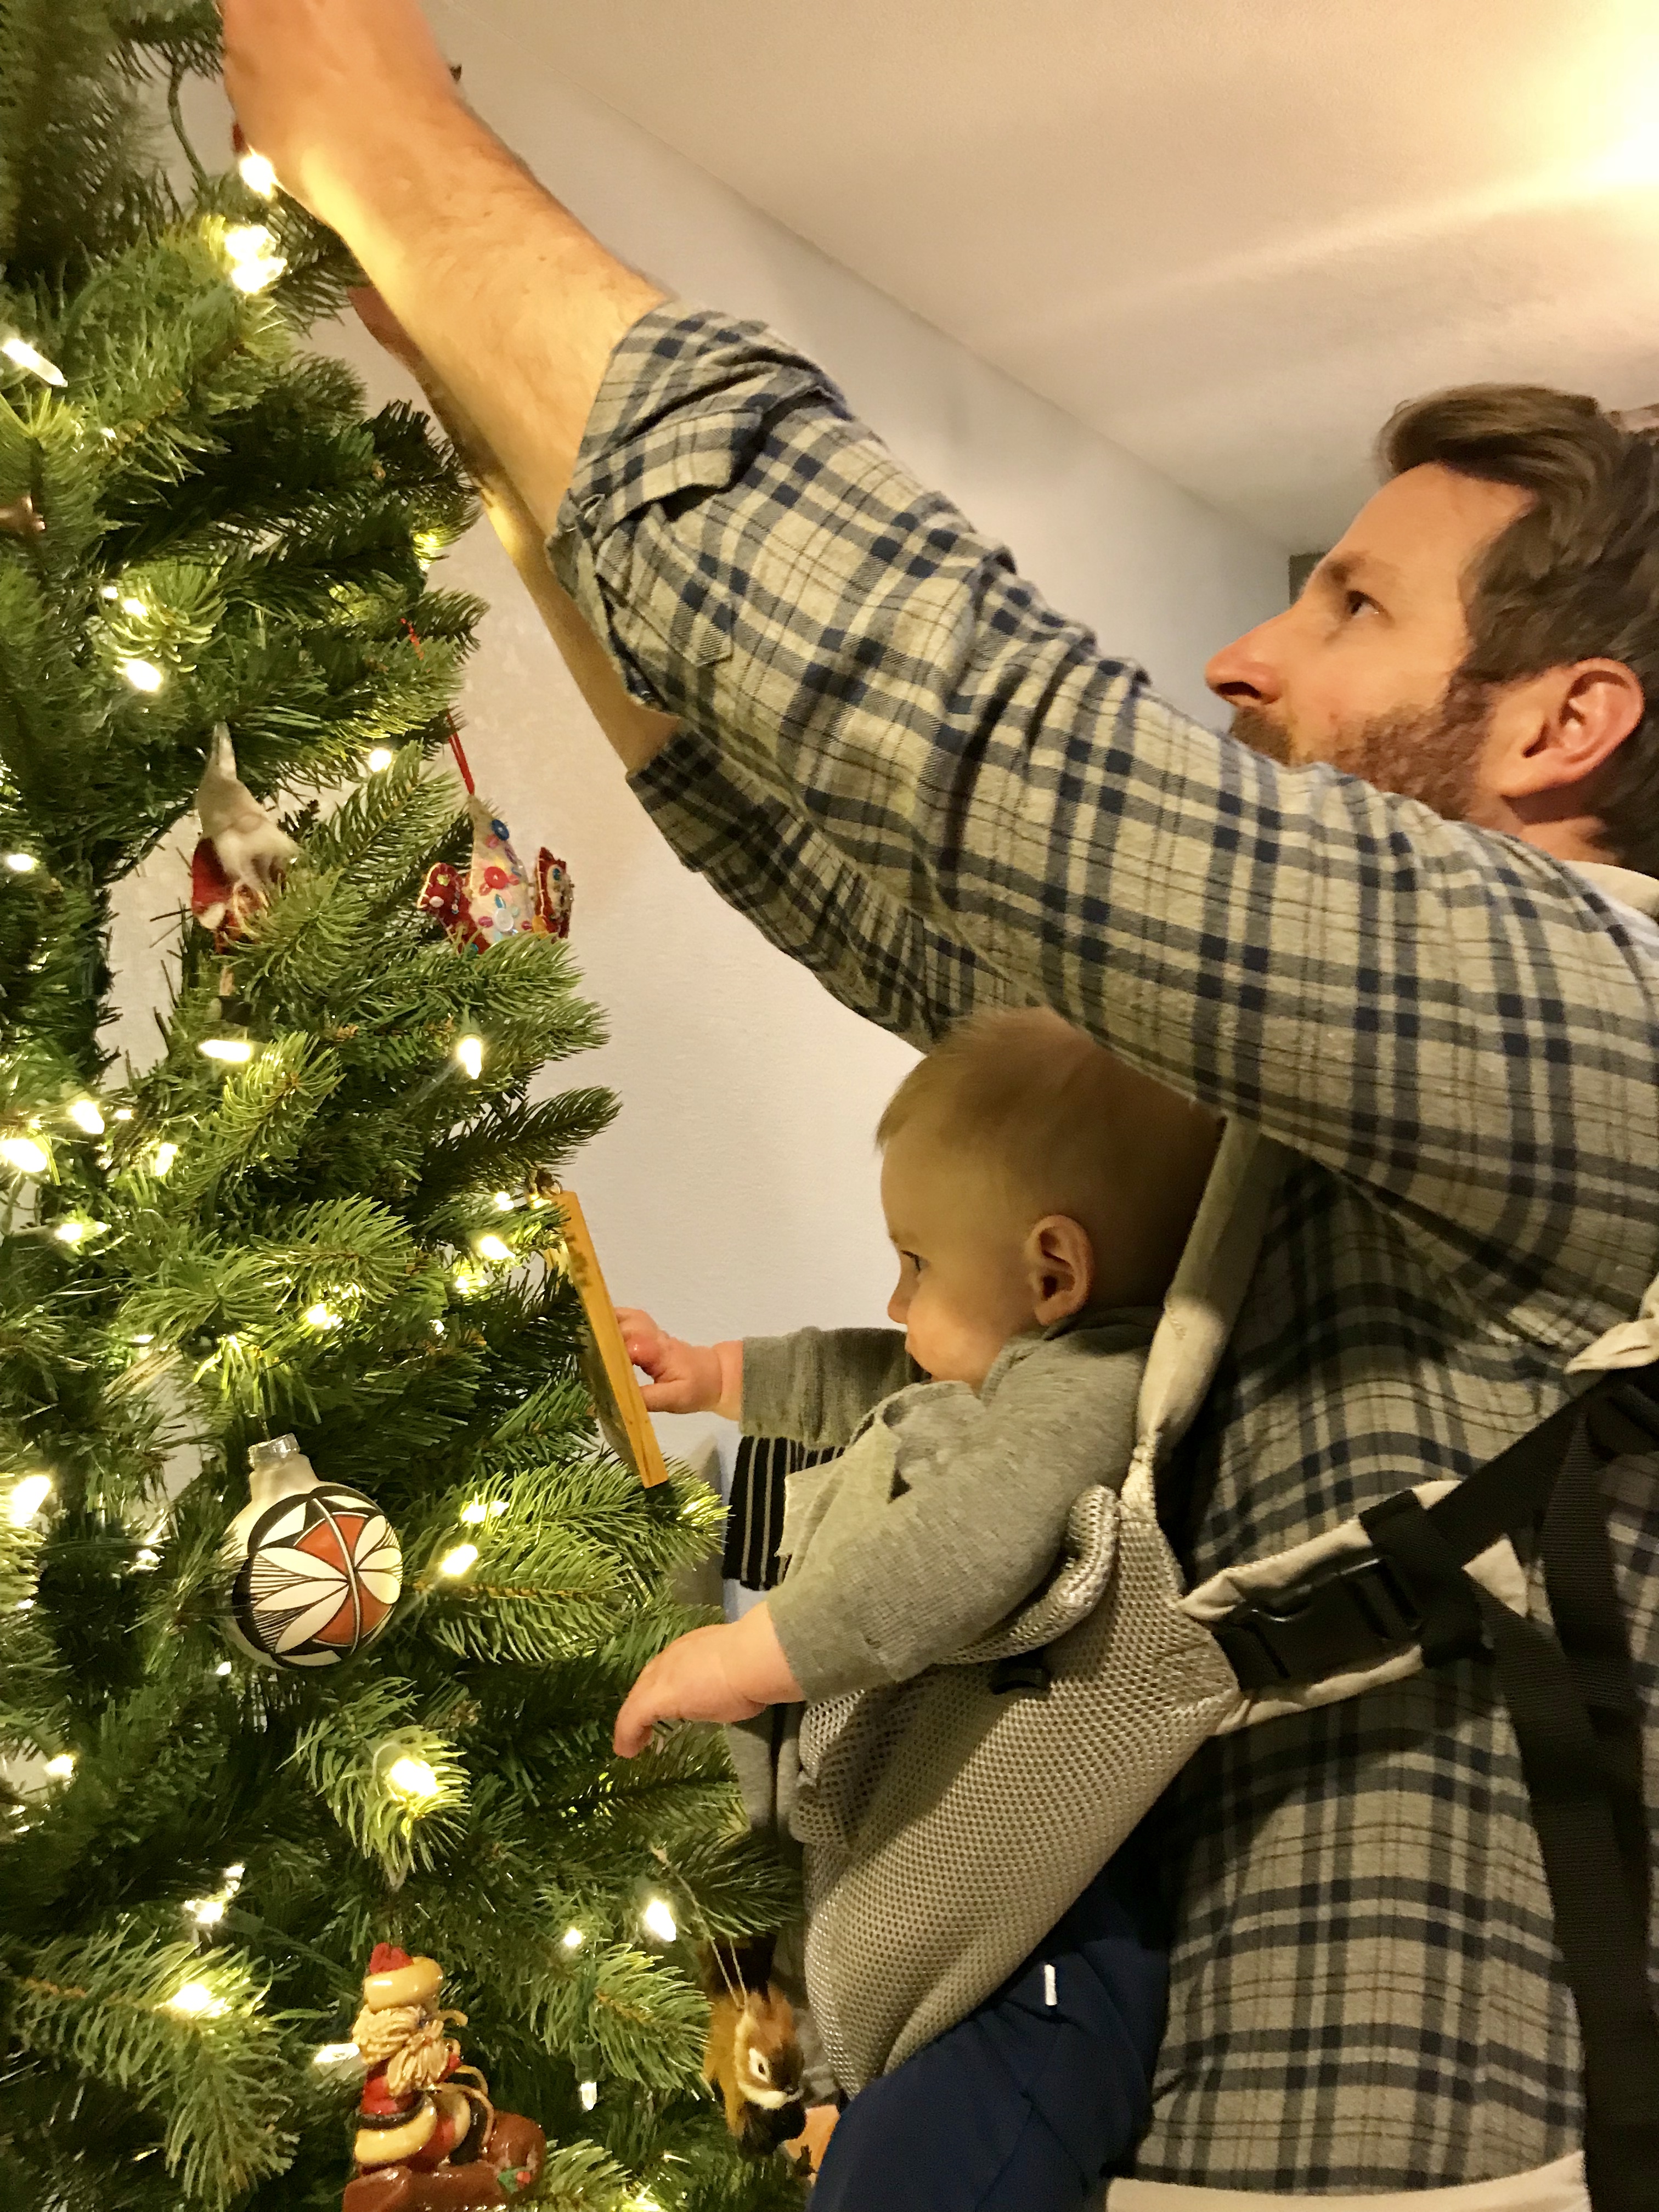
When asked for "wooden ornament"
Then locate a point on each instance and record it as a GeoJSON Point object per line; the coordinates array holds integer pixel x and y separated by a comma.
{"type": "Point", "coordinates": [21, 518]}
{"type": "Point", "coordinates": [608, 1371]}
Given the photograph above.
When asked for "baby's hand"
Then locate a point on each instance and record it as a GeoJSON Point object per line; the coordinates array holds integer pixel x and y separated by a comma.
{"type": "Point", "coordinates": [685, 1378]}
{"type": "Point", "coordinates": [725, 1673]}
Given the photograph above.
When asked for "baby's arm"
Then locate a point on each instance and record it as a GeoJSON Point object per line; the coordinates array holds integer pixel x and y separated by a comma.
{"type": "Point", "coordinates": [685, 1378]}
{"type": "Point", "coordinates": [725, 1673]}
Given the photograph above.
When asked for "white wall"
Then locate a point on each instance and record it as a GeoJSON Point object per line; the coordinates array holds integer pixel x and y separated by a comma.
{"type": "Point", "coordinates": [737, 1191]}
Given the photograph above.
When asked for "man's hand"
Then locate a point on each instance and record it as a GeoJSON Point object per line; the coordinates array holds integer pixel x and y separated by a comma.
{"type": "Point", "coordinates": [727, 1674]}
{"type": "Point", "coordinates": [685, 1378]}
{"type": "Point", "coordinates": [322, 87]}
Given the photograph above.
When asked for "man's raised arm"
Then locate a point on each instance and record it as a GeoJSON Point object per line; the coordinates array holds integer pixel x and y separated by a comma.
{"type": "Point", "coordinates": [517, 307]}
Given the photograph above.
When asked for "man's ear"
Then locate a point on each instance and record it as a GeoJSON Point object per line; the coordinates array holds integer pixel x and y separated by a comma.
{"type": "Point", "coordinates": [1060, 1265]}
{"type": "Point", "coordinates": [1552, 732]}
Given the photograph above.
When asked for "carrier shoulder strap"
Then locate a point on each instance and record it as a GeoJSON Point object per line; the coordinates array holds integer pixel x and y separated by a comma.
{"type": "Point", "coordinates": [1573, 1702]}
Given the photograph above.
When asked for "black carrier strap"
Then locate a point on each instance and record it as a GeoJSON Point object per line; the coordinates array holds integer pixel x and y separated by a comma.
{"type": "Point", "coordinates": [1572, 1699]}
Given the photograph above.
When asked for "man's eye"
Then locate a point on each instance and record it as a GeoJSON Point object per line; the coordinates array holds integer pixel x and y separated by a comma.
{"type": "Point", "coordinates": [1354, 600]}
{"type": "Point", "coordinates": [911, 1260]}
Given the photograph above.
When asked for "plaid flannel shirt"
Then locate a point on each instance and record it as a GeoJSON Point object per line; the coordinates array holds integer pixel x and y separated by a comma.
{"type": "Point", "coordinates": [938, 794]}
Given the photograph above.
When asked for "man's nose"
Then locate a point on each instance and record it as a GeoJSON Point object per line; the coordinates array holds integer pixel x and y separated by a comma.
{"type": "Point", "coordinates": [1246, 672]}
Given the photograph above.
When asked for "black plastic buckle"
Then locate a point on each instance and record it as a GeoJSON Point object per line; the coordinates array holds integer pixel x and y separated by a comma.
{"type": "Point", "coordinates": [1349, 1618]}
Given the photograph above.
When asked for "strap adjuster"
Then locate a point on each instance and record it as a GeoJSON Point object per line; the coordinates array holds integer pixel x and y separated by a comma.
{"type": "Point", "coordinates": [1357, 1613]}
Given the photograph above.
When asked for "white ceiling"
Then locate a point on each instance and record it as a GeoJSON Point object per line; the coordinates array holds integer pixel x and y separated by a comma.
{"type": "Point", "coordinates": [1228, 233]}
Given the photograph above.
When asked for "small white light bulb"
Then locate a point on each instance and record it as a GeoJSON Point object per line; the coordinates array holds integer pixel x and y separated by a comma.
{"type": "Point", "coordinates": [469, 1051]}
{"type": "Point", "coordinates": [132, 605]}
{"type": "Point", "coordinates": [206, 1912]}
{"type": "Point", "coordinates": [62, 1768]}
{"type": "Point", "coordinates": [381, 757]}
{"type": "Point", "coordinates": [457, 1562]}
{"type": "Point", "coordinates": [573, 1939]}
{"type": "Point", "coordinates": [254, 275]}
{"type": "Point", "coordinates": [196, 2001]}
{"type": "Point", "coordinates": [223, 1666]}
{"type": "Point", "coordinates": [335, 2054]}
{"type": "Point", "coordinates": [492, 1248]}
{"type": "Point", "coordinates": [27, 356]}
{"type": "Point", "coordinates": [247, 242]}
{"type": "Point", "coordinates": [437, 1328]}
{"type": "Point", "coordinates": [321, 1316]}
{"type": "Point", "coordinates": [124, 1113]}
{"type": "Point", "coordinates": [474, 1511]}
{"type": "Point", "coordinates": [260, 177]}
{"type": "Point", "coordinates": [70, 1232]}
{"type": "Point", "coordinates": [21, 864]}
{"type": "Point", "coordinates": [25, 1155]}
{"type": "Point", "coordinates": [85, 1115]}
{"type": "Point", "coordinates": [659, 1921]}
{"type": "Point", "coordinates": [234, 1878]}
{"type": "Point", "coordinates": [164, 1155]}
{"type": "Point", "coordinates": [588, 2092]}
{"type": "Point", "coordinates": [109, 591]}
{"type": "Point", "coordinates": [27, 1496]}
{"type": "Point", "coordinates": [142, 675]}
{"type": "Point", "coordinates": [503, 1201]}
{"type": "Point", "coordinates": [230, 1049]}
{"type": "Point", "coordinates": [412, 1779]}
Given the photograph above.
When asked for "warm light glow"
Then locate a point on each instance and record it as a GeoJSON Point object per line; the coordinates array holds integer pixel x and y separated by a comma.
{"type": "Point", "coordinates": [322, 1316]}
{"type": "Point", "coordinates": [470, 1052]}
{"type": "Point", "coordinates": [21, 864]}
{"type": "Point", "coordinates": [223, 1666]}
{"type": "Point", "coordinates": [254, 275]}
{"type": "Point", "coordinates": [412, 1779]}
{"type": "Point", "coordinates": [573, 1939]}
{"type": "Point", "coordinates": [142, 675]}
{"type": "Point", "coordinates": [26, 356]}
{"type": "Point", "coordinates": [206, 1912]}
{"type": "Point", "coordinates": [85, 1115]}
{"type": "Point", "coordinates": [70, 1232]}
{"type": "Point", "coordinates": [25, 1155]}
{"type": "Point", "coordinates": [381, 757]}
{"type": "Point", "coordinates": [437, 1328]}
{"type": "Point", "coordinates": [474, 1511]}
{"type": "Point", "coordinates": [124, 1113]}
{"type": "Point", "coordinates": [659, 1921]}
{"type": "Point", "coordinates": [234, 1878]}
{"type": "Point", "coordinates": [164, 1155]}
{"type": "Point", "coordinates": [260, 177]}
{"type": "Point", "coordinates": [334, 2054]}
{"type": "Point", "coordinates": [109, 591]}
{"type": "Point", "coordinates": [247, 242]}
{"type": "Point", "coordinates": [588, 2092]}
{"type": "Point", "coordinates": [148, 1337]}
{"type": "Point", "coordinates": [133, 606]}
{"type": "Point", "coordinates": [503, 1201]}
{"type": "Point", "coordinates": [491, 1248]}
{"type": "Point", "coordinates": [229, 1048]}
{"type": "Point", "coordinates": [27, 1496]}
{"type": "Point", "coordinates": [458, 1561]}
{"type": "Point", "coordinates": [62, 1768]}
{"type": "Point", "coordinates": [198, 2002]}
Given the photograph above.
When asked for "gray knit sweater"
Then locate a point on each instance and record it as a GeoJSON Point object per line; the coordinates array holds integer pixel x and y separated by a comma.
{"type": "Point", "coordinates": [947, 1507]}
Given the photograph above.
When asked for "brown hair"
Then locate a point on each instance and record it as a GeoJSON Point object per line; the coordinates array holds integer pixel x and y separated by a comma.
{"type": "Point", "coordinates": [1575, 577]}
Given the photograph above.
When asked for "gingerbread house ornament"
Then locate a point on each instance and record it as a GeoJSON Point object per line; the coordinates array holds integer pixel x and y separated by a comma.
{"type": "Point", "coordinates": [427, 2138]}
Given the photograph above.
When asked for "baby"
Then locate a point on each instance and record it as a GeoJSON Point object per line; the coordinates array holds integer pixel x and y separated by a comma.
{"type": "Point", "coordinates": [1038, 1194]}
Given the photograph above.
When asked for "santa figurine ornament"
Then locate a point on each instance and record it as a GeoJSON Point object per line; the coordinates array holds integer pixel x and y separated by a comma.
{"type": "Point", "coordinates": [428, 2138]}
{"type": "Point", "coordinates": [242, 855]}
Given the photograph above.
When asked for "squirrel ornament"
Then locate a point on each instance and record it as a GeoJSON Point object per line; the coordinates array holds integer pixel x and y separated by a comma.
{"type": "Point", "coordinates": [428, 2138]}
{"type": "Point", "coordinates": [752, 2056]}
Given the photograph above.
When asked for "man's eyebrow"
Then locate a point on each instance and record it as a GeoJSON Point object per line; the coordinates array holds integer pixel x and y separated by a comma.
{"type": "Point", "coordinates": [1366, 567]}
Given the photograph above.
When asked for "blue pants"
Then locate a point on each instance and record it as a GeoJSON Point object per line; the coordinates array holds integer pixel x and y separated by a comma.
{"type": "Point", "coordinates": [1025, 2104]}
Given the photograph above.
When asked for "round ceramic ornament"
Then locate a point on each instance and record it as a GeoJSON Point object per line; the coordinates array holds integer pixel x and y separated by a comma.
{"type": "Point", "coordinates": [317, 1566]}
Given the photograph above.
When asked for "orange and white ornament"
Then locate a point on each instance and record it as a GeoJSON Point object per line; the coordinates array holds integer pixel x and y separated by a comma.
{"type": "Point", "coordinates": [317, 1566]}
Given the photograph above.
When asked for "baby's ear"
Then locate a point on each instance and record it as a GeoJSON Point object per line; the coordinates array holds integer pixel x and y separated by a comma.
{"type": "Point", "coordinates": [1059, 1262]}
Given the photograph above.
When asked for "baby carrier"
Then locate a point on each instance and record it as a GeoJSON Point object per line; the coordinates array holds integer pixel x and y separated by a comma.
{"type": "Point", "coordinates": [1114, 1669]}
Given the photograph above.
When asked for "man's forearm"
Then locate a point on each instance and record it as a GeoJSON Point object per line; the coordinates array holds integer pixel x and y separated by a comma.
{"type": "Point", "coordinates": [513, 303]}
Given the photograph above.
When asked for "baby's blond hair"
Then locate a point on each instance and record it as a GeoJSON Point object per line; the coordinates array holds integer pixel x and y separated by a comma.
{"type": "Point", "coordinates": [1059, 1125]}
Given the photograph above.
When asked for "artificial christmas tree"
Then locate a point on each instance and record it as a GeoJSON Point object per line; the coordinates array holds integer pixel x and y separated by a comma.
{"type": "Point", "coordinates": [250, 1737]}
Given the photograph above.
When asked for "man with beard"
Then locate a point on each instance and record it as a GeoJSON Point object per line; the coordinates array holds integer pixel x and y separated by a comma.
{"type": "Point", "coordinates": [1404, 928]}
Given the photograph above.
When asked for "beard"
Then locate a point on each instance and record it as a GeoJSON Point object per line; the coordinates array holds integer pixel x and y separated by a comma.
{"type": "Point", "coordinates": [1431, 753]}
